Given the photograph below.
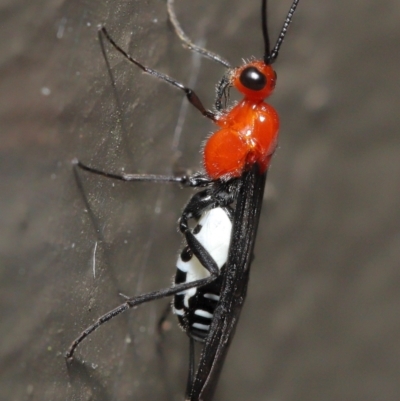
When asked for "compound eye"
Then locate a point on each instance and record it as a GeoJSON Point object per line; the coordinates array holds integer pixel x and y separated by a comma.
{"type": "Point", "coordinates": [253, 79]}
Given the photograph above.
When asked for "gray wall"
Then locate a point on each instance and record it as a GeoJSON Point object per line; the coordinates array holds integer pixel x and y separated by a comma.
{"type": "Point", "coordinates": [322, 317]}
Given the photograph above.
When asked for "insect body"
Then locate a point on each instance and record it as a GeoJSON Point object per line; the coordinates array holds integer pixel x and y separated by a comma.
{"type": "Point", "coordinates": [213, 269]}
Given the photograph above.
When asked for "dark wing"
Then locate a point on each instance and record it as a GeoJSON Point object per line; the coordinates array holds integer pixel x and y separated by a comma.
{"type": "Point", "coordinates": [234, 287]}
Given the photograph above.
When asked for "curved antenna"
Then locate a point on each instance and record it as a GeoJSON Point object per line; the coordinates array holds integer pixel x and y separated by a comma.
{"type": "Point", "coordinates": [188, 43]}
{"type": "Point", "coordinates": [264, 25]}
{"type": "Point", "coordinates": [274, 54]}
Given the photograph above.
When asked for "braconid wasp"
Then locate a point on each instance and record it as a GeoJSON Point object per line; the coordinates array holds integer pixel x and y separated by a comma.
{"type": "Point", "coordinates": [213, 268]}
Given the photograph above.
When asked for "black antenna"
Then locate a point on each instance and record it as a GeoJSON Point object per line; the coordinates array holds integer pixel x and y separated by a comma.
{"type": "Point", "coordinates": [270, 57]}
{"type": "Point", "coordinates": [264, 24]}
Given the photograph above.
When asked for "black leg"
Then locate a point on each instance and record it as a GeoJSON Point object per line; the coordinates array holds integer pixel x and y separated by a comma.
{"type": "Point", "coordinates": [190, 378]}
{"type": "Point", "coordinates": [190, 94]}
{"type": "Point", "coordinates": [141, 299]}
{"type": "Point", "coordinates": [198, 180]}
{"type": "Point", "coordinates": [201, 253]}
{"type": "Point", "coordinates": [206, 200]}
{"type": "Point", "coordinates": [196, 206]}
{"type": "Point", "coordinates": [119, 118]}
{"type": "Point", "coordinates": [187, 42]}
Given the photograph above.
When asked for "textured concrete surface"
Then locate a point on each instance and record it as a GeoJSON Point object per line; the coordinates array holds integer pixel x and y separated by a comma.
{"type": "Point", "coordinates": [322, 317]}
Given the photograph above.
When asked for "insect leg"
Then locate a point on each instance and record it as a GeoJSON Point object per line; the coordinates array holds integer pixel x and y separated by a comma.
{"type": "Point", "coordinates": [197, 180]}
{"type": "Point", "coordinates": [201, 253]}
{"type": "Point", "coordinates": [191, 372]}
{"type": "Point", "coordinates": [190, 94]}
{"type": "Point", "coordinates": [201, 202]}
{"type": "Point", "coordinates": [186, 40]}
{"type": "Point", "coordinates": [140, 299]}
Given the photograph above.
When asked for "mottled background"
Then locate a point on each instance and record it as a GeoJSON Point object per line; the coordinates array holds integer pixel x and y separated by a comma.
{"type": "Point", "coordinates": [322, 318]}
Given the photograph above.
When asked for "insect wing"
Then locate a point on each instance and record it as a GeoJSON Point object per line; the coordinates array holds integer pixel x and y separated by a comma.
{"type": "Point", "coordinates": [234, 287]}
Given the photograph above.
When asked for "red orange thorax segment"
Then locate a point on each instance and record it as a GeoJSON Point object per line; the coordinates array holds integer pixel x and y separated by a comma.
{"type": "Point", "coordinates": [249, 131]}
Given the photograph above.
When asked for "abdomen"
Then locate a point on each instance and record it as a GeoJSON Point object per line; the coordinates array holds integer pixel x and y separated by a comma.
{"type": "Point", "coordinates": [195, 307]}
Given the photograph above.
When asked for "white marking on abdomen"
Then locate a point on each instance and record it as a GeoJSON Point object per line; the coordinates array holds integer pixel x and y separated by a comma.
{"type": "Point", "coordinates": [203, 313]}
{"type": "Point", "coordinates": [179, 312]}
{"type": "Point", "coordinates": [211, 296]}
{"type": "Point", "coordinates": [200, 326]}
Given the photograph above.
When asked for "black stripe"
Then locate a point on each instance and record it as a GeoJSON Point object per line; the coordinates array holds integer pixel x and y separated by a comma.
{"type": "Point", "coordinates": [178, 302]}
{"type": "Point", "coordinates": [186, 254]}
{"type": "Point", "coordinates": [180, 276]}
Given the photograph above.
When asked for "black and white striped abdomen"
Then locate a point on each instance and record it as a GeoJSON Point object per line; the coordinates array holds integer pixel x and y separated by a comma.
{"type": "Point", "coordinates": [195, 307]}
